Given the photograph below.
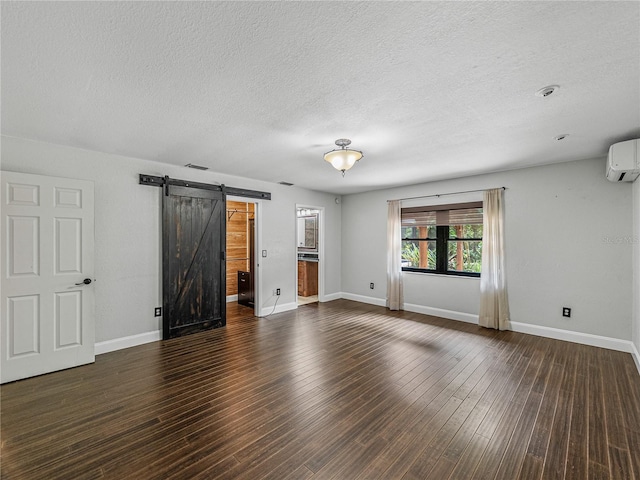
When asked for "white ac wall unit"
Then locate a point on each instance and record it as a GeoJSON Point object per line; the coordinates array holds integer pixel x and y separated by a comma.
{"type": "Point", "coordinates": [623, 161]}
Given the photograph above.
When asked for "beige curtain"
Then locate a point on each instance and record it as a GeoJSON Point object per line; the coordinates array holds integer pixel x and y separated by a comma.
{"type": "Point", "coordinates": [394, 252]}
{"type": "Point", "coordinates": [494, 303]}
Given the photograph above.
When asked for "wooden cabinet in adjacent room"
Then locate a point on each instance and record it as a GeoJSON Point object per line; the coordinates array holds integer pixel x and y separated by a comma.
{"type": "Point", "coordinates": [245, 289]}
{"type": "Point", "coordinates": [307, 278]}
{"type": "Point", "coordinates": [240, 249]}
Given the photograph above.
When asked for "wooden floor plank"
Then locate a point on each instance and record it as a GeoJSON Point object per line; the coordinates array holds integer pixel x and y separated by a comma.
{"type": "Point", "coordinates": [468, 461]}
{"type": "Point", "coordinates": [556, 456]}
{"type": "Point", "coordinates": [598, 428]}
{"type": "Point", "coordinates": [578, 453]}
{"type": "Point", "coordinates": [517, 447]}
{"type": "Point", "coordinates": [337, 390]}
{"type": "Point", "coordinates": [620, 418]}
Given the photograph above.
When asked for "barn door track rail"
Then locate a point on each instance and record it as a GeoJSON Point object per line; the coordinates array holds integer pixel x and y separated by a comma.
{"type": "Point", "coordinates": [165, 181]}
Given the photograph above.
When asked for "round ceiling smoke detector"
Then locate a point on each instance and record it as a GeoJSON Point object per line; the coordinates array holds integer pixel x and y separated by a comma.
{"type": "Point", "coordinates": [546, 91]}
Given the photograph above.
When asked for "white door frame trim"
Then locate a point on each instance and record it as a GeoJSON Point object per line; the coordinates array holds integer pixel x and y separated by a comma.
{"type": "Point", "coordinates": [257, 292]}
{"type": "Point", "coordinates": [321, 249]}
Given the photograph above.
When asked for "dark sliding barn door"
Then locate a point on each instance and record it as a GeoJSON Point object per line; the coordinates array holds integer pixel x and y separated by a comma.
{"type": "Point", "coordinates": [193, 266]}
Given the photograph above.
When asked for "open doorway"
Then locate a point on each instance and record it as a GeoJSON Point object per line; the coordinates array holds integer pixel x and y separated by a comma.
{"type": "Point", "coordinates": [241, 264]}
{"type": "Point", "coordinates": [308, 238]}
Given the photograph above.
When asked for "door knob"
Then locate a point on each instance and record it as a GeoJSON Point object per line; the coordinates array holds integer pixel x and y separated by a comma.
{"type": "Point", "coordinates": [86, 281]}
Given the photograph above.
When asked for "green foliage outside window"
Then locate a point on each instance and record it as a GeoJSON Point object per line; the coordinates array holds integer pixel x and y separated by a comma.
{"type": "Point", "coordinates": [471, 256]}
{"type": "Point", "coordinates": [470, 250]}
{"type": "Point", "coordinates": [462, 244]}
{"type": "Point", "coordinates": [411, 255]}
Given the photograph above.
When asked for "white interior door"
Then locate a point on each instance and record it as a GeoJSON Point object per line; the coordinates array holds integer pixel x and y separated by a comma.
{"type": "Point", "coordinates": [47, 253]}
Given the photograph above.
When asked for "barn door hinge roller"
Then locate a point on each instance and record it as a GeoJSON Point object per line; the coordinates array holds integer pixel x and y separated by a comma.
{"type": "Point", "coordinates": [155, 181]}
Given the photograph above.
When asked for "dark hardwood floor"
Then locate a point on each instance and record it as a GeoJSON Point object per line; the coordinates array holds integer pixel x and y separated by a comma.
{"type": "Point", "coordinates": [337, 390]}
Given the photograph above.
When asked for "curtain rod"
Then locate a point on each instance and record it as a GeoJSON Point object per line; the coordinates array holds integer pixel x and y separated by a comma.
{"type": "Point", "coordinates": [444, 194]}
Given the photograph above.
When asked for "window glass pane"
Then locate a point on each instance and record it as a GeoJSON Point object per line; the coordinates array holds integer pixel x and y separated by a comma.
{"type": "Point", "coordinates": [417, 254]}
{"type": "Point", "coordinates": [419, 232]}
{"type": "Point", "coordinates": [454, 231]}
{"type": "Point", "coordinates": [464, 256]}
{"type": "Point", "coordinates": [465, 231]}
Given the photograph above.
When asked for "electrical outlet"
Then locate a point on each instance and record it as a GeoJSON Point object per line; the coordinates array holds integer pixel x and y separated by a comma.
{"type": "Point", "coordinates": [566, 312]}
{"type": "Point", "coordinates": [277, 291]}
{"type": "Point", "coordinates": [157, 312]}
{"type": "Point", "coordinates": [371, 285]}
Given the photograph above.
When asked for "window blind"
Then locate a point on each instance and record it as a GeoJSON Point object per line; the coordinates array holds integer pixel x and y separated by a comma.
{"type": "Point", "coordinates": [452, 214]}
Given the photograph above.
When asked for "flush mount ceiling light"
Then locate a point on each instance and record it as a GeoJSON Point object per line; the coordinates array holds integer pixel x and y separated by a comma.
{"type": "Point", "coordinates": [343, 158]}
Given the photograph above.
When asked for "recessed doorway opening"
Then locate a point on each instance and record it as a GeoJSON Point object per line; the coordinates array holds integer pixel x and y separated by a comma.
{"type": "Point", "coordinates": [242, 245]}
{"type": "Point", "coordinates": [309, 254]}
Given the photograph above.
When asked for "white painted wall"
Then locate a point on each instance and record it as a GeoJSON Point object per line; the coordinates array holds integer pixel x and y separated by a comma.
{"type": "Point", "coordinates": [566, 231]}
{"type": "Point", "coordinates": [128, 230]}
{"type": "Point", "coordinates": [563, 225]}
{"type": "Point", "coordinates": [636, 271]}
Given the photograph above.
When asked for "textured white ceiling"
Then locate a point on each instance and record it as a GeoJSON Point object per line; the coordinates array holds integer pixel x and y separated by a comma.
{"type": "Point", "coordinates": [428, 90]}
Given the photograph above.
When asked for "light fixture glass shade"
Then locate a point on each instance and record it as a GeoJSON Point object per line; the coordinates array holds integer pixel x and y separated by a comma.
{"type": "Point", "coordinates": [343, 159]}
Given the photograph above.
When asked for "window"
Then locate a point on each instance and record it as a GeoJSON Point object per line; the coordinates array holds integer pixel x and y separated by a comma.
{"type": "Point", "coordinates": [444, 239]}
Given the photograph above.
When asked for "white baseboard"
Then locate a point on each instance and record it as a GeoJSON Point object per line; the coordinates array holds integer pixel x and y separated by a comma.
{"type": "Point", "coordinates": [555, 333]}
{"type": "Point", "coordinates": [332, 296]}
{"type": "Point", "coordinates": [285, 307]}
{"type": "Point", "coordinates": [381, 302]}
{"type": "Point", "coordinates": [232, 298]}
{"type": "Point", "coordinates": [409, 307]}
{"type": "Point", "coordinates": [575, 337]}
{"type": "Point", "coordinates": [126, 342]}
{"type": "Point", "coordinates": [439, 312]}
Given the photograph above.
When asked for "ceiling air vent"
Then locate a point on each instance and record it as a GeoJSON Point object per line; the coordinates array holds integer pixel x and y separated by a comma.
{"type": "Point", "coordinates": [286, 184]}
{"type": "Point", "coordinates": [197, 167]}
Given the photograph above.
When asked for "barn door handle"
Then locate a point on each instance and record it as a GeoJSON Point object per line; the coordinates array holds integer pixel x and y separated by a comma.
{"type": "Point", "coordinates": [86, 281]}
